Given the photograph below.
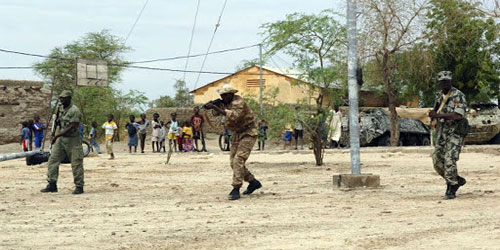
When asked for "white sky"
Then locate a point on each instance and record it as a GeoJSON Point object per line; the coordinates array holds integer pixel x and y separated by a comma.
{"type": "Point", "coordinates": [163, 31]}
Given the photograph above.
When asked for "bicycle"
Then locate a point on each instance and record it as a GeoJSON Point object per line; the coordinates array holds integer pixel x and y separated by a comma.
{"type": "Point", "coordinates": [225, 140]}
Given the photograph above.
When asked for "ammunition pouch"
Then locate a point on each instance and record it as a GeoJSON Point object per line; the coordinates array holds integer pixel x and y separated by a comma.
{"type": "Point", "coordinates": [462, 127]}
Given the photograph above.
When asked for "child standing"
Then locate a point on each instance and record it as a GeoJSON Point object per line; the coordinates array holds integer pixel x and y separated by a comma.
{"type": "Point", "coordinates": [132, 128]}
{"type": "Point", "coordinates": [173, 131]}
{"type": "Point", "coordinates": [25, 136]}
{"type": "Point", "coordinates": [110, 131]}
{"type": "Point", "coordinates": [187, 137]}
{"type": "Point", "coordinates": [262, 135]}
{"type": "Point", "coordinates": [93, 138]}
{"type": "Point", "coordinates": [155, 135]}
{"type": "Point", "coordinates": [287, 138]}
{"type": "Point", "coordinates": [38, 128]}
{"type": "Point", "coordinates": [163, 135]}
{"type": "Point", "coordinates": [143, 125]}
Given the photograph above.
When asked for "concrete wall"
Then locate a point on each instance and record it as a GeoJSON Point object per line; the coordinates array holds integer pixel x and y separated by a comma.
{"type": "Point", "coordinates": [20, 101]}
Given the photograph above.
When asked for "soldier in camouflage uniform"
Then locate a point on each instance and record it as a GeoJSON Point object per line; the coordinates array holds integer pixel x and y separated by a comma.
{"type": "Point", "coordinates": [67, 143]}
{"type": "Point", "coordinates": [448, 140]}
{"type": "Point", "coordinates": [241, 121]}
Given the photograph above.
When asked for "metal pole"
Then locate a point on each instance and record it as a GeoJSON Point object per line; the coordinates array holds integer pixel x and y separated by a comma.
{"type": "Point", "coordinates": [18, 155]}
{"type": "Point", "coordinates": [352, 55]}
{"type": "Point", "coordinates": [49, 108]}
{"type": "Point", "coordinates": [261, 85]}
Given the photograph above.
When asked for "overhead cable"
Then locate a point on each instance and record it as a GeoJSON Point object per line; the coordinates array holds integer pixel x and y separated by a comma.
{"type": "Point", "coordinates": [210, 44]}
{"type": "Point", "coordinates": [191, 40]}
{"type": "Point", "coordinates": [134, 62]}
{"type": "Point", "coordinates": [136, 20]}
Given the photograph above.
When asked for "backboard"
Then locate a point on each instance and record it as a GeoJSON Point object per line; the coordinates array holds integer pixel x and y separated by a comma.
{"type": "Point", "coordinates": [91, 73]}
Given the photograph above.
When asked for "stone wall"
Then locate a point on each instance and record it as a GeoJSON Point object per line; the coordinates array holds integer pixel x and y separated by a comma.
{"type": "Point", "coordinates": [184, 114]}
{"type": "Point", "coordinates": [20, 101]}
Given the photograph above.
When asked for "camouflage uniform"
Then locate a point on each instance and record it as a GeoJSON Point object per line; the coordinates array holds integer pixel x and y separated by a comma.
{"type": "Point", "coordinates": [70, 145]}
{"type": "Point", "coordinates": [448, 141]}
{"type": "Point", "coordinates": [241, 121]}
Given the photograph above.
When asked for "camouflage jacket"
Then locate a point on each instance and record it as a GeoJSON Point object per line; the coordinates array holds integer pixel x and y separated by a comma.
{"type": "Point", "coordinates": [69, 115]}
{"type": "Point", "coordinates": [239, 117]}
{"type": "Point", "coordinates": [456, 104]}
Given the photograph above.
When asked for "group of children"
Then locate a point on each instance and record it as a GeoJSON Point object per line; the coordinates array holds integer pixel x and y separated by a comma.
{"type": "Point", "coordinates": [30, 128]}
{"type": "Point", "coordinates": [180, 136]}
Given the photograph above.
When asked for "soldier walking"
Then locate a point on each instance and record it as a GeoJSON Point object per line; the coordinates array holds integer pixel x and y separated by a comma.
{"type": "Point", "coordinates": [241, 121]}
{"type": "Point", "coordinates": [67, 143]}
{"type": "Point", "coordinates": [449, 112]}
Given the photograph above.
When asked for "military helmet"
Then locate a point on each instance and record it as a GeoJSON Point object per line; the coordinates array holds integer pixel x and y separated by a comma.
{"type": "Point", "coordinates": [66, 93]}
{"type": "Point", "coordinates": [444, 75]}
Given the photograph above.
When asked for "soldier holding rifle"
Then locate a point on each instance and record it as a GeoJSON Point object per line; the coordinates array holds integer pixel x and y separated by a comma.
{"type": "Point", "coordinates": [241, 121]}
{"type": "Point", "coordinates": [67, 143]}
{"type": "Point", "coordinates": [451, 128]}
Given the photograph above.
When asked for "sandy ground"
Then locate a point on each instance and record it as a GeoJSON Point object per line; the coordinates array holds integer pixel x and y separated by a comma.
{"type": "Point", "coordinates": [138, 202]}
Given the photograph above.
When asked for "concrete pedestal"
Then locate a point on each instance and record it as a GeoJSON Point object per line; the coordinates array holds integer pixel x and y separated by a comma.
{"type": "Point", "coordinates": [356, 180]}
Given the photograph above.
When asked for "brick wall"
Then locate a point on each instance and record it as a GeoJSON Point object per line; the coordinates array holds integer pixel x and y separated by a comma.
{"type": "Point", "coordinates": [20, 101]}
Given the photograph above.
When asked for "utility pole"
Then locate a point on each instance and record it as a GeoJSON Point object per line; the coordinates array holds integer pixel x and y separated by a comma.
{"type": "Point", "coordinates": [352, 55]}
{"type": "Point", "coordinates": [261, 85]}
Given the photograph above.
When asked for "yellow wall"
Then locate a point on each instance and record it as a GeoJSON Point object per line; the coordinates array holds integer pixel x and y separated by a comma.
{"type": "Point", "coordinates": [289, 91]}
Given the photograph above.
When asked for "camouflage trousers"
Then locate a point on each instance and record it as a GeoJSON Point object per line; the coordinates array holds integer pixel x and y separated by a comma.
{"type": "Point", "coordinates": [241, 148]}
{"type": "Point", "coordinates": [446, 154]}
{"type": "Point", "coordinates": [72, 147]}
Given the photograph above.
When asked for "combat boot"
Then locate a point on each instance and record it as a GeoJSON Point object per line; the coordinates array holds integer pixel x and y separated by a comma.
{"type": "Point", "coordinates": [235, 194]}
{"type": "Point", "coordinates": [452, 193]}
{"type": "Point", "coordinates": [51, 188]}
{"type": "Point", "coordinates": [252, 186]}
{"type": "Point", "coordinates": [78, 190]}
{"type": "Point", "coordinates": [461, 181]}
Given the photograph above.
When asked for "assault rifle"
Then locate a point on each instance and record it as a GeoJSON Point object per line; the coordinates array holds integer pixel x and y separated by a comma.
{"type": "Point", "coordinates": [216, 102]}
{"type": "Point", "coordinates": [55, 124]}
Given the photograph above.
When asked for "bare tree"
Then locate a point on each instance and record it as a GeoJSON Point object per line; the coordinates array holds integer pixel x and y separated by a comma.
{"type": "Point", "coordinates": [389, 27]}
{"type": "Point", "coordinates": [490, 8]}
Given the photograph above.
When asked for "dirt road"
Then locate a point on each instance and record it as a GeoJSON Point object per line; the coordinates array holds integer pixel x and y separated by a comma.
{"type": "Point", "coordinates": [138, 202]}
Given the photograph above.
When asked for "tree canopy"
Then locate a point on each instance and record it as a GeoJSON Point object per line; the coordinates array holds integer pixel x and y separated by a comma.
{"type": "Point", "coordinates": [58, 71]}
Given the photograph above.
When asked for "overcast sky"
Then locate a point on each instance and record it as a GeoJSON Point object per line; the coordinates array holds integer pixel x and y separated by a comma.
{"type": "Point", "coordinates": [164, 30]}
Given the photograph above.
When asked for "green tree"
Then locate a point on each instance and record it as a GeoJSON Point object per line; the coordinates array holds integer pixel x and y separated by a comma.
{"type": "Point", "coordinates": [182, 95]}
{"type": "Point", "coordinates": [164, 101]}
{"type": "Point", "coordinates": [463, 40]}
{"type": "Point", "coordinates": [181, 99]}
{"type": "Point", "coordinates": [388, 29]}
{"type": "Point", "coordinates": [58, 70]}
{"type": "Point", "coordinates": [317, 45]}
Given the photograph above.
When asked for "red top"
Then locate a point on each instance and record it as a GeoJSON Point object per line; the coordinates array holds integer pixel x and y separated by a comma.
{"type": "Point", "coordinates": [197, 121]}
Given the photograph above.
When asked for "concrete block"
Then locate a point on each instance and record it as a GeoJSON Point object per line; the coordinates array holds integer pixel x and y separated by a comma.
{"type": "Point", "coordinates": [356, 180]}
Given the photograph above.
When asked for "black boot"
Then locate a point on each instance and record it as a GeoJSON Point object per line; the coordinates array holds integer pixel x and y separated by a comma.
{"type": "Point", "coordinates": [461, 181]}
{"type": "Point", "coordinates": [235, 194]}
{"type": "Point", "coordinates": [452, 193]}
{"type": "Point", "coordinates": [51, 188]}
{"type": "Point", "coordinates": [78, 190]}
{"type": "Point", "coordinates": [252, 186]}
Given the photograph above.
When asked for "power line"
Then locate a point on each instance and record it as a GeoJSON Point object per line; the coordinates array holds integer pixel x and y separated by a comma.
{"type": "Point", "coordinates": [17, 67]}
{"type": "Point", "coordinates": [197, 55]}
{"type": "Point", "coordinates": [136, 20]}
{"type": "Point", "coordinates": [22, 53]}
{"type": "Point", "coordinates": [191, 40]}
{"type": "Point", "coordinates": [134, 62]}
{"type": "Point", "coordinates": [210, 44]}
{"type": "Point", "coordinates": [152, 68]}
